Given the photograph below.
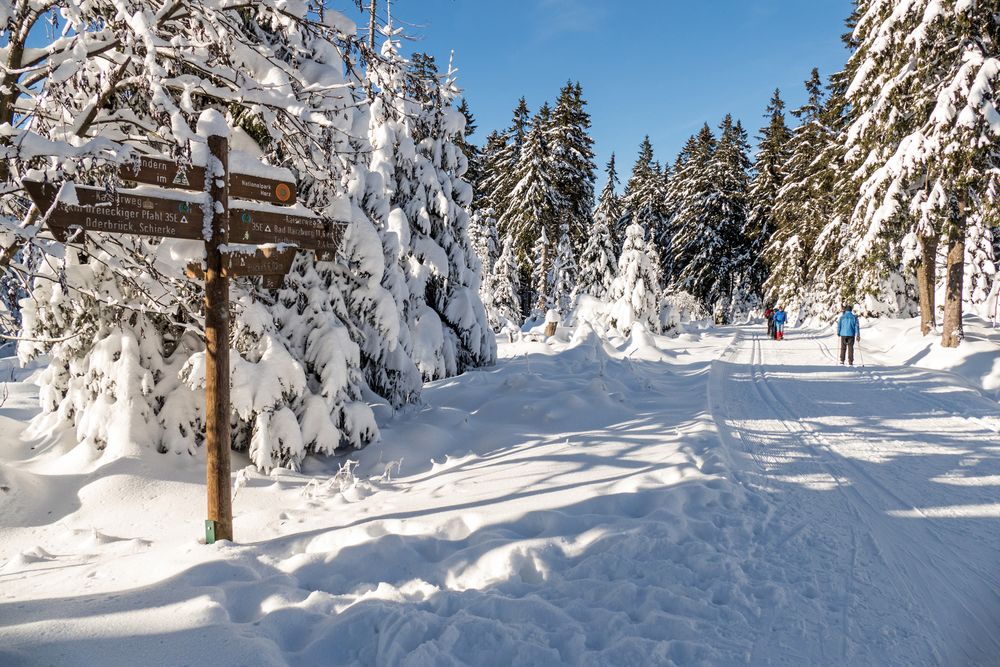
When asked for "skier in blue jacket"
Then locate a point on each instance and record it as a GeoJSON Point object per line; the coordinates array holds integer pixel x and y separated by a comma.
{"type": "Point", "coordinates": [780, 316]}
{"type": "Point", "coordinates": [849, 331]}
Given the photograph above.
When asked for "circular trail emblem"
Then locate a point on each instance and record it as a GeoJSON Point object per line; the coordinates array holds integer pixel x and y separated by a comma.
{"type": "Point", "coordinates": [282, 192]}
{"type": "Point", "coordinates": [184, 207]}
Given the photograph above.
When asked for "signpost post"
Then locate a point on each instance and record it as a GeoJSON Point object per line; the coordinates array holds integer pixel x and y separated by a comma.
{"type": "Point", "coordinates": [176, 215]}
{"type": "Point", "coordinates": [217, 437]}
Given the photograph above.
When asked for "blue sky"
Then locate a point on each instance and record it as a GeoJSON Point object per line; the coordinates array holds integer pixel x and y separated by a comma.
{"type": "Point", "coordinates": [657, 67]}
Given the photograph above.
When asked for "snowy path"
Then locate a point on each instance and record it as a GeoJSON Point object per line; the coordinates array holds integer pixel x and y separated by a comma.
{"type": "Point", "coordinates": [884, 483]}
{"type": "Point", "coordinates": [706, 499]}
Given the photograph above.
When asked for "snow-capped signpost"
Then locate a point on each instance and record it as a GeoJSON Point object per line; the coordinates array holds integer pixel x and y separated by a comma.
{"type": "Point", "coordinates": [219, 206]}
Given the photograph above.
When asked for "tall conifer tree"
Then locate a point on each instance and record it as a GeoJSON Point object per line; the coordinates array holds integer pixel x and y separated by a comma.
{"type": "Point", "coordinates": [641, 203]}
{"type": "Point", "coordinates": [801, 205]}
{"type": "Point", "coordinates": [769, 175]}
{"type": "Point", "coordinates": [598, 261]}
{"type": "Point", "coordinates": [572, 156]}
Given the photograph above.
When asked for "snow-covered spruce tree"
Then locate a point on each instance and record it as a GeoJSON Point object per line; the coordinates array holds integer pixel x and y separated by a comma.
{"type": "Point", "coordinates": [485, 196]}
{"type": "Point", "coordinates": [500, 170]}
{"type": "Point", "coordinates": [598, 261]}
{"type": "Point", "coordinates": [800, 207]}
{"type": "Point", "coordinates": [636, 292]}
{"type": "Point", "coordinates": [483, 228]}
{"type": "Point", "coordinates": [731, 173]}
{"type": "Point", "coordinates": [695, 193]}
{"type": "Point", "coordinates": [609, 205]}
{"type": "Point", "coordinates": [925, 137]}
{"type": "Point", "coordinates": [533, 205]}
{"type": "Point", "coordinates": [652, 250]}
{"type": "Point", "coordinates": [485, 239]}
{"type": "Point", "coordinates": [768, 177]}
{"type": "Point", "coordinates": [570, 151]}
{"type": "Point", "coordinates": [711, 212]}
{"type": "Point", "coordinates": [677, 194]}
{"type": "Point", "coordinates": [834, 188]}
{"type": "Point", "coordinates": [386, 350]}
{"type": "Point", "coordinates": [408, 90]}
{"type": "Point", "coordinates": [502, 289]}
{"type": "Point", "coordinates": [664, 233]}
{"type": "Point", "coordinates": [445, 314]}
{"type": "Point", "coordinates": [642, 202]}
{"type": "Point", "coordinates": [564, 271]}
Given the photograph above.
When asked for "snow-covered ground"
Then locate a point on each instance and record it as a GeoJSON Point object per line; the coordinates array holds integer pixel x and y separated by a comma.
{"type": "Point", "coordinates": [713, 498]}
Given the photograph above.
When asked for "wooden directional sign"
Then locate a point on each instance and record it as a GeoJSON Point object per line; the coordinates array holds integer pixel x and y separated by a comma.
{"type": "Point", "coordinates": [258, 227]}
{"type": "Point", "coordinates": [168, 174]}
{"type": "Point", "coordinates": [148, 215]}
{"type": "Point", "coordinates": [123, 213]}
{"type": "Point", "coordinates": [261, 262]}
{"type": "Point", "coordinates": [272, 263]}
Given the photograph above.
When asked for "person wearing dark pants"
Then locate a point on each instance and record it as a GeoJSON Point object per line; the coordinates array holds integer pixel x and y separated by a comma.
{"type": "Point", "coordinates": [780, 317]}
{"type": "Point", "coordinates": [849, 331]}
{"type": "Point", "coordinates": [847, 346]}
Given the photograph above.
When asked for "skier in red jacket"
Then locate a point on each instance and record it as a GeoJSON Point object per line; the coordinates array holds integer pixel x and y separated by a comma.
{"type": "Point", "coordinates": [769, 315]}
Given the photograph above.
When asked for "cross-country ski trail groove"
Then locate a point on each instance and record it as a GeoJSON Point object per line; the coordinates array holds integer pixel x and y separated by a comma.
{"type": "Point", "coordinates": [884, 523]}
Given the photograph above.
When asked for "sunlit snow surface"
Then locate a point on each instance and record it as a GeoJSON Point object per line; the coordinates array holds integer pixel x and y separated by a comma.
{"type": "Point", "coordinates": [714, 498]}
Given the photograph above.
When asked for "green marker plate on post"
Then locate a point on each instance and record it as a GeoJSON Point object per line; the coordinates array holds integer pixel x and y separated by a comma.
{"type": "Point", "coordinates": [209, 531]}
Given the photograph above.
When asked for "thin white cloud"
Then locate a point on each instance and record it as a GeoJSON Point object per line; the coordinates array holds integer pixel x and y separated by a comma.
{"type": "Point", "coordinates": [558, 17]}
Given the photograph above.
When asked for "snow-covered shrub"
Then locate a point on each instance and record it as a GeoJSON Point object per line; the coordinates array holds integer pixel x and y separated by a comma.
{"type": "Point", "coordinates": [678, 308]}
{"type": "Point", "coordinates": [636, 289]}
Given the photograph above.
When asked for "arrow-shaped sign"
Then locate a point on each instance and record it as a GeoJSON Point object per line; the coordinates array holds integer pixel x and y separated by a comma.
{"type": "Point", "coordinates": [169, 174]}
{"type": "Point", "coordinates": [161, 215]}
{"type": "Point", "coordinates": [269, 262]}
{"type": "Point", "coordinates": [120, 213]}
{"type": "Point", "coordinates": [260, 227]}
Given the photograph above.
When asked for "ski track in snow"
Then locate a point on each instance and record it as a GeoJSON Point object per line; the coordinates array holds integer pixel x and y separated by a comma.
{"type": "Point", "coordinates": [715, 498]}
{"type": "Point", "coordinates": [850, 473]}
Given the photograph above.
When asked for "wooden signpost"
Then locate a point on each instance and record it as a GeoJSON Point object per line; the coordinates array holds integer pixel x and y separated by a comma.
{"type": "Point", "coordinates": [170, 214]}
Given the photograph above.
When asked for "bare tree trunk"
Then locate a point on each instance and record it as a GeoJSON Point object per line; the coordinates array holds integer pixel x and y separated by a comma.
{"type": "Point", "coordinates": [926, 279]}
{"type": "Point", "coordinates": [371, 25]}
{"type": "Point", "coordinates": [951, 334]}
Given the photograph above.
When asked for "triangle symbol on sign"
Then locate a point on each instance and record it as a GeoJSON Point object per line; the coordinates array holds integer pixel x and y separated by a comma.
{"type": "Point", "coordinates": [181, 177]}
{"type": "Point", "coordinates": [184, 220]}
{"type": "Point", "coordinates": [267, 228]}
